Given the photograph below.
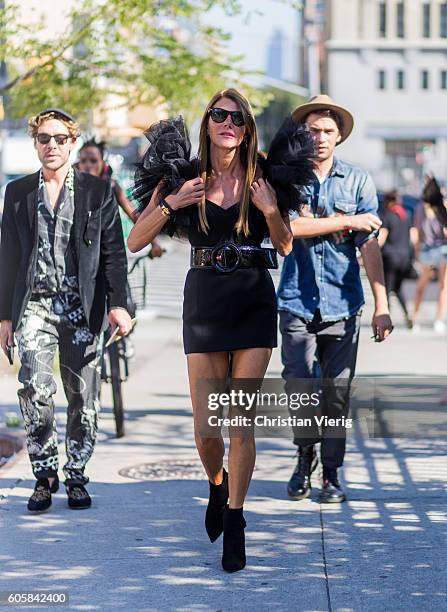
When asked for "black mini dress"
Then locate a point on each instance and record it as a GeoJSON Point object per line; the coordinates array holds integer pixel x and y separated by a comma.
{"type": "Point", "coordinates": [227, 311]}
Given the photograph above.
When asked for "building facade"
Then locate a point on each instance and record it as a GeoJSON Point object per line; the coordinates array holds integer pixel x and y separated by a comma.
{"type": "Point", "coordinates": [386, 60]}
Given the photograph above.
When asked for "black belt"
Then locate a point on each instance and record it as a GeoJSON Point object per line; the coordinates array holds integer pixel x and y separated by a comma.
{"type": "Point", "coordinates": [227, 257]}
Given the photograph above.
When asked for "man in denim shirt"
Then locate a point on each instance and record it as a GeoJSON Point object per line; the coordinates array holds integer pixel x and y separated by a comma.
{"type": "Point", "coordinates": [320, 294]}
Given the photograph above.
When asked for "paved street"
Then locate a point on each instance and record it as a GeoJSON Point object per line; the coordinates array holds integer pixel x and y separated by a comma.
{"type": "Point", "coordinates": [142, 545]}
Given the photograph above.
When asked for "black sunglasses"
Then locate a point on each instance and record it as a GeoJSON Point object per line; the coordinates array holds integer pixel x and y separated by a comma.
{"type": "Point", "coordinates": [59, 139]}
{"type": "Point", "coordinates": [218, 115]}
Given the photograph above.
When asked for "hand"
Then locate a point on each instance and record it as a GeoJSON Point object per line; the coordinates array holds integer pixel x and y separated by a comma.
{"type": "Point", "coordinates": [263, 196]}
{"type": "Point", "coordinates": [366, 222]}
{"type": "Point", "coordinates": [134, 215]}
{"type": "Point", "coordinates": [156, 249]}
{"type": "Point", "coordinates": [6, 336]}
{"type": "Point", "coordinates": [381, 325]}
{"type": "Point", "coordinates": [120, 318]}
{"type": "Point", "coordinates": [191, 192]}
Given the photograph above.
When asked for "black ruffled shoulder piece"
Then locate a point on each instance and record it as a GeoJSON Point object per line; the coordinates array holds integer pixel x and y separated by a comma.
{"type": "Point", "coordinates": [166, 160]}
{"type": "Point", "coordinates": [290, 163]}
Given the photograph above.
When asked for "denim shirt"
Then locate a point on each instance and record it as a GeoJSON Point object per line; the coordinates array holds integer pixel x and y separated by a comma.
{"type": "Point", "coordinates": [323, 272]}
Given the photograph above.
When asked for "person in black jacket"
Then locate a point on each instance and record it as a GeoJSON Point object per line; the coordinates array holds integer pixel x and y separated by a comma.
{"type": "Point", "coordinates": [63, 274]}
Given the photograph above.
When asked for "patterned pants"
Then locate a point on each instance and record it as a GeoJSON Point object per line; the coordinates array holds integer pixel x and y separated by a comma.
{"type": "Point", "coordinates": [39, 334]}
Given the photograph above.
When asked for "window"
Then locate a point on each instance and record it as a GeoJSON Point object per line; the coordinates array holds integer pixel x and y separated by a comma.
{"type": "Point", "coordinates": [443, 79]}
{"type": "Point", "coordinates": [426, 20]}
{"type": "Point", "coordinates": [400, 79]}
{"type": "Point", "coordinates": [400, 15]}
{"type": "Point", "coordinates": [382, 19]}
{"type": "Point", "coordinates": [381, 79]}
{"type": "Point", "coordinates": [443, 20]}
{"type": "Point", "coordinates": [424, 79]}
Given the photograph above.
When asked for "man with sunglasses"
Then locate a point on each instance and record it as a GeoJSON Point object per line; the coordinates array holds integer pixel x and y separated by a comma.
{"type": "Point", "coordinates": [62, 281]}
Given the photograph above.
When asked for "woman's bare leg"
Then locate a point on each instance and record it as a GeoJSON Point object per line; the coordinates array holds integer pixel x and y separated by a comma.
{"type": "Point", "coordinates": [442, 299]}
{"type": "Point", "coordinates": [247, 363]}
{"type": "Point", "coordinates": [202, 366]}
{"type": "Point", "coordinates": [421, 286]}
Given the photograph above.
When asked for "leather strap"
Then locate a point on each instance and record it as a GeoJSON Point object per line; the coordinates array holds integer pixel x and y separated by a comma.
{"type": "Point", "coordinates": [228, 257]}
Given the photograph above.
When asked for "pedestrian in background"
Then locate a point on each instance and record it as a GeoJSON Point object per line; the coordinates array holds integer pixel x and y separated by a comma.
{"type": "Point", "coordinates": [395, 242]}
{"type": "Point", "coordinates": [431, 250]}
{"type": "Point", "coordinates": [92, 161]}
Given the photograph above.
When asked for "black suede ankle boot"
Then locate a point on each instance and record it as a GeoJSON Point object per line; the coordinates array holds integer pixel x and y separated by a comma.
{"type": "Point", "coordinates": [214, 513]}
{"type": "Point", "coordinates": [233, 556]}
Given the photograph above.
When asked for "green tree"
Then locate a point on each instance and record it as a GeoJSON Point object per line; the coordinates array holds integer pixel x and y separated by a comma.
{"type": "Point", "coordinates": [120, 47]}
{"type": "Point", "coordinates": [281, 104]}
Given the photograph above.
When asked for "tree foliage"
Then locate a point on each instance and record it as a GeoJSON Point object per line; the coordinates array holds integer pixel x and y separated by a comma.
{"type": "Point", "coordinates": [143, 51]}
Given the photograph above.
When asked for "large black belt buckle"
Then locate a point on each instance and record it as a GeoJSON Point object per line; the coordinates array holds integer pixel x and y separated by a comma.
{"type": "Point", "coordinates": [226, 257]}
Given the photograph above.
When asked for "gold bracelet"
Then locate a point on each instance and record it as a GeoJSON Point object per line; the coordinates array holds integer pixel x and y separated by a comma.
{"type": "Point", "coordinates": [165, 208]}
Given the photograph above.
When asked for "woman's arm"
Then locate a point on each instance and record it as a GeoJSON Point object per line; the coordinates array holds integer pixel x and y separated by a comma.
{"type": "Point", "coordinates": [264, 198]}
{"type": "Point", "coordinates": [149, 225]}
{"type": "Point", "coordinates": [124, 202]}
{"type": "Point", "coordinates": [280, 232]}
{"type": "Point", "coordinates": [152, 220]}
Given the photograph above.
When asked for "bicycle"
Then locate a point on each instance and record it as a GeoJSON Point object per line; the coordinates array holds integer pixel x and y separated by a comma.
{"type": "Point", "coordinates": [115, 361]}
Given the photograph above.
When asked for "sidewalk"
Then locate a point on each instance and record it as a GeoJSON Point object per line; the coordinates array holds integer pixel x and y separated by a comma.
{"type": "Point", "coordinates": [142, 545]}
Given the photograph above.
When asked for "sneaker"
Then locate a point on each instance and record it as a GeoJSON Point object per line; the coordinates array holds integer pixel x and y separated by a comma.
{"type": "Point", "coordinates": [416, 329]}
{"type": "Point", "coordinates": [40, 500]}
{"type": "Point", "coordinates": [439, 326]}
{"type": "Point", "coordinates": [78, 497]}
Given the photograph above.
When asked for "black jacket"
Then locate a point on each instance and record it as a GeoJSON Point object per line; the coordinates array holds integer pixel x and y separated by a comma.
{"type": "Point", "coordinates": [99, 248]}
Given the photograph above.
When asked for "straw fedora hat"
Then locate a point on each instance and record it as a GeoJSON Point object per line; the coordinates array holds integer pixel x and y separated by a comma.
{"type": "Point", "coordinates": [324, 102]}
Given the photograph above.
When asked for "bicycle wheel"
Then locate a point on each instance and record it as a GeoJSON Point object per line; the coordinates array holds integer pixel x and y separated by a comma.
{"type": "Point", "coordinates": [117, 395]}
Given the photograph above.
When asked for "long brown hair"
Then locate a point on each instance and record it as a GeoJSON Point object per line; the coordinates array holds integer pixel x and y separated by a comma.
{"type": "Point", "coordinates": [248, 152]}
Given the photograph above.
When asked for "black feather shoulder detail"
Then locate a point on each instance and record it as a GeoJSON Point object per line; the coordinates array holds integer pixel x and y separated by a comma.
{"type": "Point", "coordinates": [167, 159]}
{"type": "Point", "coordinates": [290, 164]}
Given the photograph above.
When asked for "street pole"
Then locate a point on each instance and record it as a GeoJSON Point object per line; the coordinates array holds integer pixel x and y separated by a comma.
{"type": "Point", "coordinates": [312, 42]}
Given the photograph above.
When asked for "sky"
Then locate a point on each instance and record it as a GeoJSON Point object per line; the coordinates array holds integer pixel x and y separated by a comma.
{"type": "Point", "coordinates": [265, 25]}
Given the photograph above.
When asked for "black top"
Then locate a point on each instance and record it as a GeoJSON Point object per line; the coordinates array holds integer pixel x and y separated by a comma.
{"type": "Point", "coordinates": [397, 244]}
{"type": "Point", "coordinates": [221, 222]}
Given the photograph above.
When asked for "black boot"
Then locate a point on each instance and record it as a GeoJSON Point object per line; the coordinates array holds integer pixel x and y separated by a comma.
{"type": "Point", "coordinates": [299, 485]}
{"type": "Point", "coordinates": [40, 500]}
{"type": "Point", "coordinates": [331, 491]}
{"type": "Point", "coordinates": [216, 505]}
{"type": "Point", "coordinates": [233, 556]}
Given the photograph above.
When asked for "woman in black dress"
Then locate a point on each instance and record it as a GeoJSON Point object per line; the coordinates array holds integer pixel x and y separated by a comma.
{"type": "Point", "coordinates": [229, 312]}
